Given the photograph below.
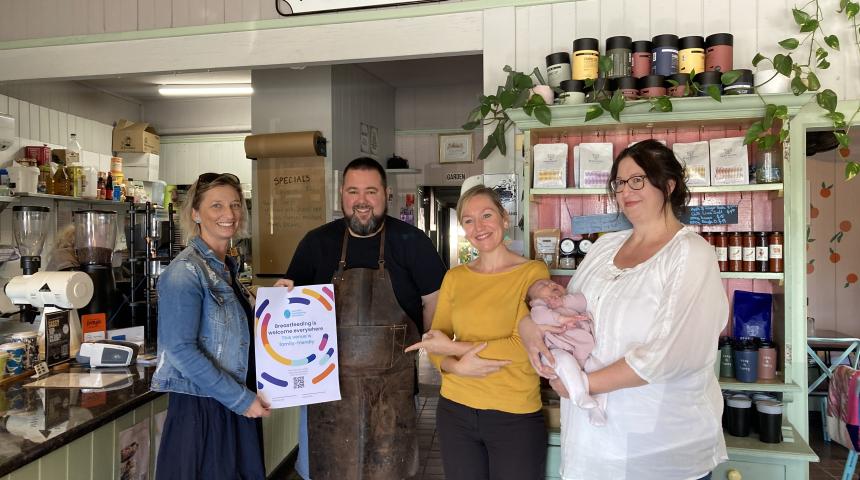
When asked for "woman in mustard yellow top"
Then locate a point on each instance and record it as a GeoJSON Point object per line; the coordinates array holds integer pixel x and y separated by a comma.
{"type": "Point", "coordinates": [489, 417]}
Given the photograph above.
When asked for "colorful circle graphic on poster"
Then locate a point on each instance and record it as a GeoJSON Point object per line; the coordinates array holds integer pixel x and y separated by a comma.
{"type": "Point", "coordinates": [291, 326]}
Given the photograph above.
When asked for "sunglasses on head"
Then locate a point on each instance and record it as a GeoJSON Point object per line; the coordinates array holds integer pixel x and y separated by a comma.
{"type": "Point", "coordinates": [210, 177]}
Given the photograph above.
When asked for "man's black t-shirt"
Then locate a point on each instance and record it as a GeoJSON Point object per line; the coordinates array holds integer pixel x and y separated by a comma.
{"type": "Point", "coordinates": [410, 258]}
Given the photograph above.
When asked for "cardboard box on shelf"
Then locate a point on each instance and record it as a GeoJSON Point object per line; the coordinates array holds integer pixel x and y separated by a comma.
{"type": "Point", "coordinates": [139, 159]}
{"type": "Point", "coordinates": [131, 136]}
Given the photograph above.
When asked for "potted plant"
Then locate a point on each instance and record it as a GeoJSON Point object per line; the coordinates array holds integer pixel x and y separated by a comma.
{"type": "Point", "coordinates": [519, 91]}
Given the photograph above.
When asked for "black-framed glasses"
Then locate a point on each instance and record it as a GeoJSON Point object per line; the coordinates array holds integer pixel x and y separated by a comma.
{"type": "Point", "coordinates": [210, 177]}
{"type": "Point", "coordinates": [636, 182]}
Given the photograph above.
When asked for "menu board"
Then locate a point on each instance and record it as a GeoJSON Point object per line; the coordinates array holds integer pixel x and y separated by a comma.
{"type": "Point", "coordinates": [710, 215]}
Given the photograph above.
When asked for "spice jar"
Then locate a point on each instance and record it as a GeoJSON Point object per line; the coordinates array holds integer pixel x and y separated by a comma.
{"type": "Point", "coordinates": [748, 252]}
{"type": "Point", "coordinates": [766, 360]}
{"type": "Point", "coordinates": [652, 86]}
{"type": "Point", "coordinates": [735, 252]}
{"type": "Point", "coordinates": [721, 244]}
{"type": "Point", "coordinates": [718, 52]}
{"type": "Point", "coordinates": [743, 85]}
{"type": "Point", "coordinates": [557, 68]}
{"type": "Point", "coordinates": [679, 90]}
{"type": "Point", "coordinates": [628, 87]}
{"type": "Point", "coordinates": [706, 79]}
{"type": "Point", "coordinates": [691, 54]}
{"type": "Point", "coordinates": [774, 244]}
{"type": "Point", "coordinates": [619, 50]}
{"type": "Point", "coordinates": [762, 252]}
{"type": "Point", "coordinates": [664, 55]}
{"type": "Point", "coordinates": [572, 92]}
{"type": "Point", "coordinates": [566, 250]}
{"type": "Point", "coordinates": [585, 56]}
{"type": "Point", "coordinates": [641, 58]}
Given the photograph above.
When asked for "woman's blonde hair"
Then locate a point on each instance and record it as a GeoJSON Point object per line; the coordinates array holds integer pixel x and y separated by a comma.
{"type": "Point", "coordinates": [193, 200]}
{"type": "Point", "coordinates": [480, 190]}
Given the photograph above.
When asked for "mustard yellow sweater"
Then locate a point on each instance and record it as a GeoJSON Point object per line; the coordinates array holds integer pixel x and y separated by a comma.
{"type": "Point", "coordinates": [478, 307]}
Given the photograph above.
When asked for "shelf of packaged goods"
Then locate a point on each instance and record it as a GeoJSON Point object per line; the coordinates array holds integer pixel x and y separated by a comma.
{"type": "Point", "coordinates": [63, 198]}
{"type": "Point", "coordinates": [792, 447]}
{"type": "Point", "coordinates": [564, 272]}
{"type": "Point", "coordinates": [763, 187]}
{"type": "Point", "coordinates": [776, 385]}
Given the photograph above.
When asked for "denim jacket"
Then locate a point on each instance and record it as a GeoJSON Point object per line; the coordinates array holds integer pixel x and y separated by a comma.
{"type": "Point", "coordinates": [203, 336]}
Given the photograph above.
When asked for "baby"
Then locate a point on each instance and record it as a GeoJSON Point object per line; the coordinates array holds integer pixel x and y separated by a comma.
{"type": "Point", "coordinates": [552, 305]}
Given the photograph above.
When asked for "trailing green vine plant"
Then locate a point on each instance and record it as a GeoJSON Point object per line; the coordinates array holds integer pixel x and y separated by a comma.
{"type": "Point", "coordinates": [515, 93]}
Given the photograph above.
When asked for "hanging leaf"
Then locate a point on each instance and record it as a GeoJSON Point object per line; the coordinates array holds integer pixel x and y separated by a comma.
{"type": "Point", "coordinates": [488, 147]}
{"type": "Point", "coordinates": [851, 170]}
{"type": "Point", "coordinates": [768, 141]}
{"type": "Point", "coordinates": [842, 138]}
{"type": "Point", "coordinates": [809, 26]}
{"type": "Point", "coordinates": [826, 99]}
{"type": "Point", "coordinates": [604, 64]}
{"type": "Point", "coordinates": [820, 53]}
{"type": "Point", "coordinates": [523, 81]}
{"type": "Point", "coordinates": [485, 109]}
{"type": "Point", "coordinates": [471, 125]}
{"type": "Point", "coordinates": [769, 113]}
{"type": "Point", "coordinates": [832, 41]}
{"type": "Point", "coordinates": [756, 60]}
{"type": "Point", "coordinates": [593, 112]}
{"type": "Point", "coordinates": [522, 98]}
{"type": "Point", "coordinates": [812, 82]}
{"type": "Point", "coordinates": [616, 105]}
{"type": "Point", "coordinates": [714, 92]}
{"type": "Point", "coordinates": [543, 114]}
{"type": "Point", "coordinates": [782, 64]}
{"type": "Point", "coordinates": [507, 98]}
{"type": "Point", "coordinates": [800, 17]}
{"type": "Point", "coordinates": [753, 132]}
{"type": "Point", "coordinates": [797, 85]}
{"type": "Point", "coordinates": [499, 136]}
{"type": "Point", "coordinates": [789, 43]}
{"type": "Point", "coordinates": [852, 9]}
{"type": "Point", "coordinates": [781, 111]}
{"type": "Point", "coordinates": [730, 77]}
{"type": "Point", "coordinates": [838, 119]}
{"type": "Point", "coordinates": [823, 65]}
{"type": "Point", "coordinates": [662, 104]}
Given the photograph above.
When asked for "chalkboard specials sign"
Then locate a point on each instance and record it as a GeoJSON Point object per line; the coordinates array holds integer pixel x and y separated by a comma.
{"type": "Point", "coordinates": [696, 215]}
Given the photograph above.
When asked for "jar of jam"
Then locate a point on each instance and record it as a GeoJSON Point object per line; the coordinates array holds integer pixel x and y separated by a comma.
{"type": "Point", "coordinates": [762, 256]}
{"type": "Point", "coordinates": [774, 244]}
{"type": "Point", "coordinates": [721, 244]}
{"type": "Point", "coordinates": [566, 250]}
{"type": "Point", "coordinates": [708, 236]}
{"type": "Point", "coordinates": [735, 251]}
{"type": "Point", "coordinates": [748, 252]}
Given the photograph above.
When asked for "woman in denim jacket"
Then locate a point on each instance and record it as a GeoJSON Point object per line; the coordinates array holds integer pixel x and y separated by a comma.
{"type": "Point", "coordinates": [205, 352]}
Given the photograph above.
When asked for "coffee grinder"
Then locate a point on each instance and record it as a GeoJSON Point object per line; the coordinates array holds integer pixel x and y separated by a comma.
{"type": "Point", "coordinates": [95, 239]}
{"type": "Point", "coordinates": [54, 296]}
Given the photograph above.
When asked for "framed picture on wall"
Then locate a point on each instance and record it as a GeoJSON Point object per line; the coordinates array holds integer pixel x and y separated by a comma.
{"type": "Point", "coordinates": [364, 136]}
{"type": "Point", "coordinates": [455, 148]}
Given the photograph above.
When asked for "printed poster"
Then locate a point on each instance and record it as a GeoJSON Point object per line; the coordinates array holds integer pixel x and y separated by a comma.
{"type": "Point", "coordinates": [134, 452]}
{"type": "Point", "coordinates": [296, 345]}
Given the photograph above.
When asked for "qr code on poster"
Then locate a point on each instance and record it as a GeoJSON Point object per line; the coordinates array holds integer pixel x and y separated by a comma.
{"type": "Point", "coordinates": [298, 382]}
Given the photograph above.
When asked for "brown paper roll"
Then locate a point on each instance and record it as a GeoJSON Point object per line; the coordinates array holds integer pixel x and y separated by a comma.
{"type": "Point", "coordinates": [280, 145]}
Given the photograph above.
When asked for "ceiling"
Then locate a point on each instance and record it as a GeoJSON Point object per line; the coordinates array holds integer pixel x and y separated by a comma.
{"type": "Point", "coordinates": [423, 72]}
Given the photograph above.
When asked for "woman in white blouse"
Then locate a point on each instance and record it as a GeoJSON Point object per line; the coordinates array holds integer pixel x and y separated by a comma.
{"type": "Point", "coordinates": [658, 306]}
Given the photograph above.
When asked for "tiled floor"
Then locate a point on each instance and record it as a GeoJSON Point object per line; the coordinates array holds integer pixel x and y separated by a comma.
{"type": "Point", "coordinates": [832, 455]}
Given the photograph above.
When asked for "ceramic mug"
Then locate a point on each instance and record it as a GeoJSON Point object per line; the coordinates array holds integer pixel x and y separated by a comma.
{"type": "Point", "coordinates": [771, 81]}
{"type": "Point", "coordinates": [15, 362]}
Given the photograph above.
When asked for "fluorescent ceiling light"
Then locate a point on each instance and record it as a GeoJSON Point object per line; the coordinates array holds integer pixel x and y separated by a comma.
{"type": "Point", "coordinates": [208, 90]}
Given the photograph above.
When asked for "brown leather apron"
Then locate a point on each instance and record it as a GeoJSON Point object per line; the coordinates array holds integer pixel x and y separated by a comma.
{"type": "Point", "coordinates": [370, 433]}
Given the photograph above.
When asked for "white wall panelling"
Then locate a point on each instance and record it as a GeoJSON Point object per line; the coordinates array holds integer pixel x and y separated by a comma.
{"type": "Point", "coordinates": [433, 107]}
{"type": "Point", "coordinates": [200, 115]}
{"type": "Point", "coordinates": [182, 159]}
{"type": "Point", "coordinates": [75, 98]}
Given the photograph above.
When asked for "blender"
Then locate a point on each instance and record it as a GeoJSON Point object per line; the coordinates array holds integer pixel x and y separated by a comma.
{"type": "Point", "coordinates": [95, 238]}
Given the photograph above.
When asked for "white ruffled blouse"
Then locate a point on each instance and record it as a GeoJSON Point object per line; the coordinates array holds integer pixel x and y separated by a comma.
{"type": "Point", "coordinates": [664, 316]}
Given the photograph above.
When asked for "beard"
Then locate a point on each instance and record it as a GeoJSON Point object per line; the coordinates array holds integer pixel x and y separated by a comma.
{"type": "Point", "coordinates": [362, 229]}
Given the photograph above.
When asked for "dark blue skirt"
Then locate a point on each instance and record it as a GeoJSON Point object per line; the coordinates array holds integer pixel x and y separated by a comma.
{"type": "Point", "coordinates": [202, 439]}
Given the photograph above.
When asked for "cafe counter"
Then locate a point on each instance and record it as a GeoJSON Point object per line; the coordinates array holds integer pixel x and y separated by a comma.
{"type": "Point", "coordinates": [106, 433]}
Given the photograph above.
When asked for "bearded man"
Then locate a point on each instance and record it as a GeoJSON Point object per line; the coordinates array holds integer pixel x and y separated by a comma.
{"type": "Point", "coordinates": [387, 275]}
